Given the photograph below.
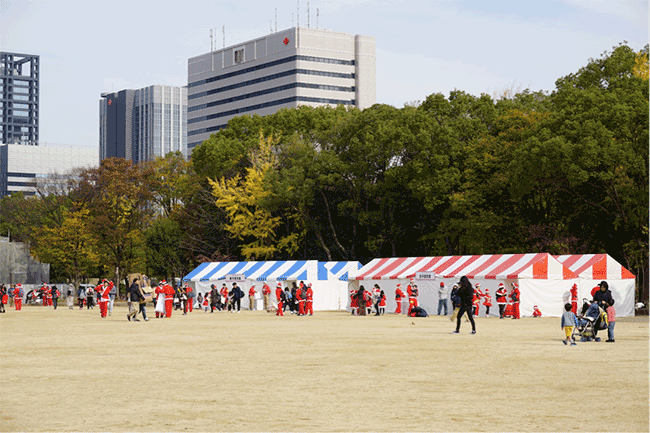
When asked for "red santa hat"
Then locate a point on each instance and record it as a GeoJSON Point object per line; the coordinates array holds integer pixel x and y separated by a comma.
{"type": "Point", "coordinates": [163, 282]}
{"type": "Point", "coordinates": [477, 285]}
{"type": "Point", "coordinates": [501, 285]}
{"type": "Point", "coordinates": [412, 281]}
{"type": "Point", "coordinates": [399, 285]}
{"type": "Point", "coordinates": [442, 284]}
{"type": "Point", "coordinates": [575, 286]}
{"type": "Point", "coordinates": [19, 285]}
{"type": "Point", "coordinates": [279, 286]}
{"type": "Point", "coordinates": [535, 307]}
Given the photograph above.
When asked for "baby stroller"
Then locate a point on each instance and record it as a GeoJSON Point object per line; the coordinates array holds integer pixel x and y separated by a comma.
{"type": "Point", "coordinates": [592, 320]}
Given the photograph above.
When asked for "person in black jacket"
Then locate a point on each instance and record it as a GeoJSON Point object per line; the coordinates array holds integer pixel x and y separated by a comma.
{"type": "Point", "coordinates": [604, 296]}
{"type": "Point", "coordinates": [466, 293]}
{"type": "Point", "coordinates": [236, 294]}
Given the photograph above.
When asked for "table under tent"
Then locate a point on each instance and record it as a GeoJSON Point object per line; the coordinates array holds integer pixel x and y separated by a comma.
{"type": "Point", "coordinates": [329, 279]}
{"type": "Point", "coordinates": [542, 279]}
{"type": "Point", "coordinates": [591, 269]}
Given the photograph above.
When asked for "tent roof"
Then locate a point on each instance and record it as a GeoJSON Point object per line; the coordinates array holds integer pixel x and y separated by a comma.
{"type": "Point", "coordinates": [270, 270]}
{"type": "Point", "coordinates": [337, 270]}
{"type": "Point", "coordinates": [595, 266]}
{"type": "Point", "coordinates": [497, 266]}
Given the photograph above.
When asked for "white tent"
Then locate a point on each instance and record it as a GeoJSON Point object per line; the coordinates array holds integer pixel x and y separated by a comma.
{"type": "Point", "coordinates": [329, 279]}
{"type": "Point", "coordinates": [591, 269]}
{"type": "Point", "coordinates": [542, 280]}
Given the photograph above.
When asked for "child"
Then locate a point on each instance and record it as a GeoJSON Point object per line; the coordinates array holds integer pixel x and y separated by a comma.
{"type": "Point", "coordinates": [611, 319]}
{"type": "Point", "coordinates": [537, 313]}
{"type": "Point", "coordinates": [568, 322]}
{"type": "Point", "coordinates": [206, 302]}
{"type": "Point", "coordinates": [382, 302]}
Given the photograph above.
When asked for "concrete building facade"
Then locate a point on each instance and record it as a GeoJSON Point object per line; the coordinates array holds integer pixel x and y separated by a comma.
{"type": "Point", "coordinates": [19, 101]}
{"type": "Point", "coordinates": [143, 124]}
{"type": "Point", "coordinates": [24, 168]}
{"type": "Point", "coordinates": [297, 66]}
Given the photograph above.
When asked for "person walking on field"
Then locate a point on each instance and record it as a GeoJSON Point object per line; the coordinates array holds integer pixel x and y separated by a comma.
{"type": "Point", "coordinates": [168, 290]}
{"type": "Point", "coordinates": [55, 296]}
{"type": "Point", "coordinates": [133, 300]}
{"type": "Point", "coordinates": [466, 293]}
{"type": "Point", "coordinates": [399, 295]}
{"type": "Point", "coordinates": [103, 292]}
{"type": "Point", "coordinates": [501, 294]}
{"type": "Point", "coordinates": [412, 292]}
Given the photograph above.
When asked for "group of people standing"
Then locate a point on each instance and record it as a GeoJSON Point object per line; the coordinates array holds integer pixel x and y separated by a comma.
{"type": "Point", "coordinates": [362, 301]}
{"type": "Point", "coordinates": [299, 299]}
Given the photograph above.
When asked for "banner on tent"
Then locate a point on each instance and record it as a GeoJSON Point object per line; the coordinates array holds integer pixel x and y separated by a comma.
{"type": "Point", "coordinates": [425, 275]}
{"type": "Point", "coordinates": [234, 278]}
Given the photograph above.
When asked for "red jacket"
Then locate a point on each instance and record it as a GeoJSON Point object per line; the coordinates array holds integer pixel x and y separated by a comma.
{"type": "Point", "coordinates": [399, 295]}
{"type": "Point", "coordinates": [514, 295]}
{"type": "Point", "coordinates": [309, 294]}
{"type": "Point", "coordinates": [278, 294]}
{"type": "Point", "coordinates": [168, 290]}
{"type": "Point", "coordinates": [413, 293]}
{"type": "Point", "coordinates": [299, 294]}
{"type": "Point", "coordinates": [104, 291]}
{"type": "Point", "coordinates": [501, 295]}
{"type": "Point", "coordinates": [266, 290]}
{"type": "Point", "coordinates": [251, 291]}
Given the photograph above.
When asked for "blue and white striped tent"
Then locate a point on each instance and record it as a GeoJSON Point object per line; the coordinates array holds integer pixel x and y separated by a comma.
{"type": "Point", "coordinates": [329, 279]}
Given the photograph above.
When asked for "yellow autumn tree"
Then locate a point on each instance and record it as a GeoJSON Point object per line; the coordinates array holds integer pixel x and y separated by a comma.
{"type": "Point", "coordinates": [241, 199]}
{"type": "Point", "coordinates": [641, 65]}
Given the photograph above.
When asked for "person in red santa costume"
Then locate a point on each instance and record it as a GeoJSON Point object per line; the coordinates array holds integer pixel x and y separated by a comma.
{"type": "Point", "coordinates": [412, 292]}
{"type": "Point", "coordinates": [382, 302]}
{"type": "Point", "coordinates": [309, 300]}
{"type": "Point", "coordinates": [279, 293]}
{"type": "Point", "coordinates": [399, 295]}
{"type": "Point", "coordinates": [46, 294]}
{"type": "Point", "coordinates": [18, 297]}
{"type": "Point", "coordinates": [354, 302]}
{"type": "Point", "coordinates": [224, 296]}
{"type": "Point", "coordinates": [501, 294]}
{"type": "Point", "coordinates": [476, 299]}
{"type": "Point", "coordinates": [301, 299]}
{"type": "Point", "coordinates": [168, 290]}
{"type": "Point", "coordinates": [536, 312]}
{"type": "Point", "coordinates": [574, 299]}
{"type": "Point", "coordinates": [103, 291]}
{"type": "Point", "coordinates": [515, 297]}
{"type": "Point", "coordinates": [487, 301]}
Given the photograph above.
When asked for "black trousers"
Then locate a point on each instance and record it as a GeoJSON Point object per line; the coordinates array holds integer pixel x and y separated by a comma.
{"type": "Point", "coordinates": [55, 301]}
{"type": "Point", "coordinates": [465, 309]}
{"type": "Point", "coordinates": [502, 309]}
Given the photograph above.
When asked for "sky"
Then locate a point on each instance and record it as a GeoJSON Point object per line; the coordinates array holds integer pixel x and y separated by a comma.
{"type": "Point", "coordinates": [88, 47]}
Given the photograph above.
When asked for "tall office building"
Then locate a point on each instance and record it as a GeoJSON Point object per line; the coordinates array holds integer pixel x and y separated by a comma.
{"type": "Point", "coordinates": [19, 98]}
{"type": "Point", "coordinates": [298, 66]}
{"type": "Point", "coordinates": [143, 124]}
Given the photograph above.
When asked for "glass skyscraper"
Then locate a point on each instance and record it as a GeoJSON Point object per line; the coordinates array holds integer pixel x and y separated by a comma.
{"type": "Point", "coordinates": [143, 124]}
{"type": "Point", "coordinates": [19, 89]}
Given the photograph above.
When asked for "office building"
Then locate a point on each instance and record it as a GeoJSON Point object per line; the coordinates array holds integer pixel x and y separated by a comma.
{"type": "Point", "coordinates": [26, 168]}
{"type": "Point", "coordinates": [143, 124]}
{"type": "Point", "coordinates": [19, 98]}
{"type": "Point", "coordinates": [298, 66]}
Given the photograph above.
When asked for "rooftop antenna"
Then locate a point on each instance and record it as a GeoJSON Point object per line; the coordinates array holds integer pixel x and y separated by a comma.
{"type": "Point", "coordinates": [308, 15]}
{"type": "Point", "coordinates": [298, 14]}
{"type": "Point", "coordinates": [317, 14]}
{"type": "Point", "coordinates": [270, 26]}
{"type": "Point", "coordinates": [211, 41]}
{"type": "Point", "coordinates": [223, 29]}
{"type": "Point", "coordinates": [276, 20]}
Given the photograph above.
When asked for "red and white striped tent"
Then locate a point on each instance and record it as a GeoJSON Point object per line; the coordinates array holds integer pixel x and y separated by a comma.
{"type": "Point", "coordinates": [541, 278]}
{"type": "Point", "coordinates": [591, 269]}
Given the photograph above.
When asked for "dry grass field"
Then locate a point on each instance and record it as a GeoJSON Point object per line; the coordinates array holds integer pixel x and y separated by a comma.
{"type": "Point", "coordinates": [70, 370]}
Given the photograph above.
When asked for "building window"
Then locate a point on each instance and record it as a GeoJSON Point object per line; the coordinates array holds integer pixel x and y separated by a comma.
{"type": "Point", "coordinates": [239, 56]}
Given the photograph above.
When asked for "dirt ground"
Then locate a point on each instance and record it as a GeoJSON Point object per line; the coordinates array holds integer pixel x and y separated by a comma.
{"type": "Point", "coordinates": [70, 370]}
